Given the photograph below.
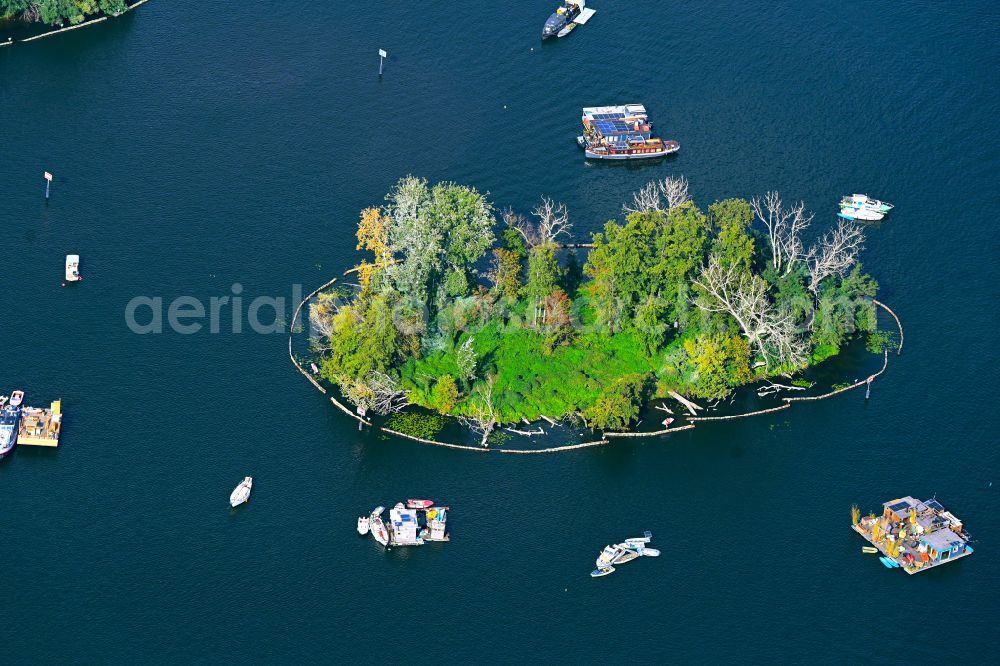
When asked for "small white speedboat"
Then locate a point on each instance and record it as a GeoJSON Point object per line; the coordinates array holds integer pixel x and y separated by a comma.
{"type": "Point", "coordinates": [377, 511]}
{"type": "Point", "coordinates": [242, 492]}
{"type": "Point", "coordinates": [602, 571]}
{"type": "Point", "coordinates": [649, 552]}
{"type": "Point", "coordinates": [16, 398]}
{"type": "Point", "coordinates": [378, 530]}
{"type": "Point", "coordinates": [364, 524]}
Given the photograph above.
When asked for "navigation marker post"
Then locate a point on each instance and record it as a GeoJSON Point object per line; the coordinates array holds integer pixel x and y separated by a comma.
{"type": "Point", "coordinates": [48, 181]}
{"type": "Point", "coordinates": [382, 55]}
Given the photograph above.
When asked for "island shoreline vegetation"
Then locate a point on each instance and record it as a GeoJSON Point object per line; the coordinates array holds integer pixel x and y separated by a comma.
{"type": "Point", "coordinates": [495, 322]}
{"type": "Point", "coordinates": [60, 12]}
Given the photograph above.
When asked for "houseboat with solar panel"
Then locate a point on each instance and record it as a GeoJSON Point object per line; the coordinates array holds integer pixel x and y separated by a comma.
{"type": "Point", "coordinates": [621, 133]}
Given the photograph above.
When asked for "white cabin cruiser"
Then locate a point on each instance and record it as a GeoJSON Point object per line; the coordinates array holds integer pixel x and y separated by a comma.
{"type": "Point", "coordinates": [602, 571]}
{"type": "Point", "coordinates": [242, 492]}
{"type": "Point", "coordinates": [863, 201]}
{"type": "Point", "coordinates": [609, 556]}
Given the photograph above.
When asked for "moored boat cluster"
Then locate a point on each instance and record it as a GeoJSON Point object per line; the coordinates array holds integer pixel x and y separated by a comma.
{"type": "Point", "coordinates": [623, 552]}
{"type": "Point", "coordinates": [412, 524]}
{"type": "Point", "coordinates": [29, 426]}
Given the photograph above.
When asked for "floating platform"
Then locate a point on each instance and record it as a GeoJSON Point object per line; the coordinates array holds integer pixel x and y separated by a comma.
{"type": "Point", "coordinates": [915, 536]}
{"type": "Point", "coordinates": [40, 427]}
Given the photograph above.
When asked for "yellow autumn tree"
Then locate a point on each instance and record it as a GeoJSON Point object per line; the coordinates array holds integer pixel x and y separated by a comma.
{"type": "Point", "coordinates": [373, 235]}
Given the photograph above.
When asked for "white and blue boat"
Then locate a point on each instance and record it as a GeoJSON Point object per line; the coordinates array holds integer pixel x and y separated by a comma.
{"type": "Point", "coordinates": [863, 201]}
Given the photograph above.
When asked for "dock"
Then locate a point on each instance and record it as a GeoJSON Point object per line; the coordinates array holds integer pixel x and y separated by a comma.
{"type": "Point", "coordinates": [916, 535]}
{"type": "Point", "coordinates": [40, 427]}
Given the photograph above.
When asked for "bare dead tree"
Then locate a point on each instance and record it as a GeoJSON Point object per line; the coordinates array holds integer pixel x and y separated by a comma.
{"type": "Point", "coordinates": [553, 221]}
{"type": "Point", "coordinates": [646, 199]}
{"type": "Point", "coordinates": [792, 241]}
{"type": "Point", "coordinates": [738, 293]}
{"type": "Point", "coordinates": [835, 253]}
{"type": "Point", "coordinates": [674, 190]}
{"type": "Point", "coordinates": [659, 195]}
{"type": "Point", "coordinates": [377, 392]}
{"type": "Point", "coordinates": [516, 221]}
{"type": "Point", "coordinates": [743, 296]}
{"type": "Point", "coordinates": [782, 341]}
{"type": "Point", "coordinates": [321, 315]}
{"type": "Point", "coordinates": [389, 397]}
{"type": "Point", "coordinates": [784, 229]}
{"type": "Point", "coordinates": [483, 418]}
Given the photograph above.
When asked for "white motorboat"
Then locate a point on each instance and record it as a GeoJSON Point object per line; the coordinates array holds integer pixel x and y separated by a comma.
{"type": "Point", "coordinates": [377, 511]}
{"type": "Point", "coordinates": [602, 571]}
{"type": "Point", "coordinates": [609, 556]}
{"type": "Point", "coordinates": [646, 537]}
{"type": "Point", "coordinates": [242, 492]}
{"type": "Point", "coordinates": [73, 268]}
{"type": "Point", "coordinates": [863, 201]}
{"type": "Point", "coordinates": [364, 524]}
{"type": "Point", "coordinates": [639, 547]}
{"type": "Point", "coordinates": [378, 530]}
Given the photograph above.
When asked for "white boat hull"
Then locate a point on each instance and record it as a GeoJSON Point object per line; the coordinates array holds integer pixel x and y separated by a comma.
{"type": "Point", "coordinates": [241, 493]}
{"type": "Point", "coordinates": [861, 214]}
{"type": "Point", "coordinates": [379, 532]}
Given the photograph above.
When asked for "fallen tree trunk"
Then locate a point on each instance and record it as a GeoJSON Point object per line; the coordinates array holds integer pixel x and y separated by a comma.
{"type": "Point", "coordinates": [691, 407]}
{"type": "Point", "coordinates": [527, 433]}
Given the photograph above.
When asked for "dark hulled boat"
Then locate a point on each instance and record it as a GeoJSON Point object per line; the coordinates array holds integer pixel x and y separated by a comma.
{"type": "Point", "coordinates": [565, 18]}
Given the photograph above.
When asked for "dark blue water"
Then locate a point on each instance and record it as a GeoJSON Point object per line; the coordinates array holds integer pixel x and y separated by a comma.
{"type": "Point", "coordinates": [198, 145]}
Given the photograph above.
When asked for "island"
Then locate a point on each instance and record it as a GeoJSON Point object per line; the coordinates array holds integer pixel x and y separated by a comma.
{"type": "Point", "coordinates": [496, 317]}
{"type": "Point", "coordinates": [58, 12]}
